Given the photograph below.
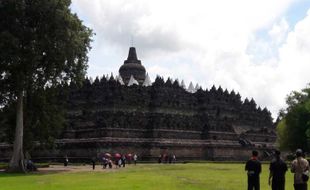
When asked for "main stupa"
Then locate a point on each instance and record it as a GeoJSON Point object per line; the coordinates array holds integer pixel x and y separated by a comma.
{"type": "Point", "coordinates": [132, 68]}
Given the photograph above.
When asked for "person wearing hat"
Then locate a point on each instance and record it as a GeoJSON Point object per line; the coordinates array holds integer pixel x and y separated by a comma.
{"type": "Point", "coordinates": [253, 168]}
{"type": "Point", "coordinates": [299, 166]}
{"type": "Point", "coordinates": [277, 170]}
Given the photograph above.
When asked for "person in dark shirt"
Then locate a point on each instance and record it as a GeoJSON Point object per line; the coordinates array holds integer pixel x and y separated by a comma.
{"type": "Point", "coordinates": [123, 161]}
{"type": "Point", "coordinates": [93, 161]}
{"type": "Point", "coordinates": [277, 169]}
{"type": "Point", "coordinates": [66, 161]}
{"type": "Point", "coordinates": [253, 168]}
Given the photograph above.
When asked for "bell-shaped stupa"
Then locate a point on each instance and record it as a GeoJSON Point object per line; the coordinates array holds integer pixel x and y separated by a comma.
{"type": "Point", "coordinates": [132, 67]}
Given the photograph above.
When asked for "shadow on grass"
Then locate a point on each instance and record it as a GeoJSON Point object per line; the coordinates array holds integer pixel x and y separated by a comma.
{"type": "Point", "coordinates": [4, 173]}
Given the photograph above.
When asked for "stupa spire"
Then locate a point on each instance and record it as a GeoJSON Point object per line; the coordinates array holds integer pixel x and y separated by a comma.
{"type": "Point", "coordinates": [132, 56]}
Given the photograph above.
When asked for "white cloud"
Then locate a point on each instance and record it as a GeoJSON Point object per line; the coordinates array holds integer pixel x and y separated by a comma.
{"type": "Point", "coordinates": [279, 31]}
{"type": "Point", "coordinates": [209, 42]}
{"type": "Point", "coordinates": [294, 57]}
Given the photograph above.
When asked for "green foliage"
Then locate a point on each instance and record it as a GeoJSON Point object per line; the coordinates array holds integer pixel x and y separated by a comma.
{"type": "Point", "coordinates": [41, 43]}
{"type": "Point", "coordinates": [294, 128]}
{"type": "Point", "coordinates": [283, 135]}
{"type": "Point", "coordinates": [44, 117]}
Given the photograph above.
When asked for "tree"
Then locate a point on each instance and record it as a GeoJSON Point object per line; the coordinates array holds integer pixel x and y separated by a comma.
{"type": "Point", "coordinates": [45, 118]}
{"type": "Point", "coordinates": [294, 127]}
{"type": "Point", "coordinates": [42, 44]}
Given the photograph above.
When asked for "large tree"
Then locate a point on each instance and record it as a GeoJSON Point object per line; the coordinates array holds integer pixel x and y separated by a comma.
{"type": "Point", "coordinates": [42, 44]}
{"type": "Point", "coordinates": [44, 118]}
{"type": "Point", "coordinates": [294, 127]}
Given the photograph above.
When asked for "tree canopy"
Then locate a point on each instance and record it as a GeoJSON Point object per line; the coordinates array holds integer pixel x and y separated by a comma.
{"type": "Point", "coordinates": [42, 44]}
{"type": "Point", "coordinates": [44, 118]}
{"type": "Point", "coordinates": [294, 126]}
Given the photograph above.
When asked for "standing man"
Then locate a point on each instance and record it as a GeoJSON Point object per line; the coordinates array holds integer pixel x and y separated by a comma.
{"type": "Point", "coordinates": [135, 158]}
{"type": "Point", "coordinates": [277, 170]}
{"type": "Point", "coordinates": [254, 168]}
{"type": "Point", "coordinates": [93, 161]}
{"type": "Point", "coordinates": [123, 160]}
{"type": "Point", "coordinates": [299, 166]}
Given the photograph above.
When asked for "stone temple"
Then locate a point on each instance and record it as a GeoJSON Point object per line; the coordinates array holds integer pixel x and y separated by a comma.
{"type": "Point", "coordinates": [130, 114]}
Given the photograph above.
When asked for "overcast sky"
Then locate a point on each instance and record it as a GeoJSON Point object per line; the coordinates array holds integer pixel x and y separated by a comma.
{"type": "Point", "coordinates": [260, 48]}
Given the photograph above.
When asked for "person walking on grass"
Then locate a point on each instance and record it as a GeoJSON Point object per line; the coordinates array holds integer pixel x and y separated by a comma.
{"type": "Point", "coordinates": [277, 170]}
{"type": "Point", "coordinates": [253, 168]}
{"type": "Point", "coordinates": [300, 168]}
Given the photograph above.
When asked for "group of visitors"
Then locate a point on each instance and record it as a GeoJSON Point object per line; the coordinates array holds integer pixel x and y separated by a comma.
{"type": "Point", "coordinates": [107, 160]}
{"type": "Point", "coordinates": [119, 161]}
{"type": "Point", "coordinates": [164, 158]}
{"type": "Point", "coordinates": [278, 168]}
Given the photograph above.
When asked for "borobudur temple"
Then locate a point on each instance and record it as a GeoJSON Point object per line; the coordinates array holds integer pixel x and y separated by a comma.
{"type": "Point", "coordinates": [130, 114]}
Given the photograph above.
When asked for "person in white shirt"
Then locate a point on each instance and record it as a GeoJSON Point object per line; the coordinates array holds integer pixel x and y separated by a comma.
{"type": "Point", "coordinates": [135, 158]}
{"type": "Point", "coordinates": [300, 166]}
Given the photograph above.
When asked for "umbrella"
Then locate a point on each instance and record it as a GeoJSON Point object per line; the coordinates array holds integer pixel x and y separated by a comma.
{"type": "Point", "coordinates": [129, 155]}
{"type": "Point", "coordinates": [117, 155]}
{"type": "Point", "coordinates": [107, 155]}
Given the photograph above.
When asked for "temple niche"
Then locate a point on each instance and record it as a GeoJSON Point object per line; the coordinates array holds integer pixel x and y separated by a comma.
{"type": "Point", "coordinates": [130, 114]}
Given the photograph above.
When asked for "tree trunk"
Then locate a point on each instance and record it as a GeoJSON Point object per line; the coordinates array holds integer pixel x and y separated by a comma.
{"type": "Point", "coordinates": [17, 160]}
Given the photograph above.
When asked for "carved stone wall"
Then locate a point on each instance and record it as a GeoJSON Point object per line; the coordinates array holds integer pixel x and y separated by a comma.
{"type": "Point", "coordinates": [105, 116]}
{"type": "Point", "coordinates": [163, 118]}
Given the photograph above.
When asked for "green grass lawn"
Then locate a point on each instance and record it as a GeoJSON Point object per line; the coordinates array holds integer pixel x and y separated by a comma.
{"type": "Point", "coordinates": [207, 176]}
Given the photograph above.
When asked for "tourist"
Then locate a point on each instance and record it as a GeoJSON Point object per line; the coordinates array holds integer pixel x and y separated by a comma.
{"type": "Point", "coordinates": [174, 158]}
{"type": "Point", "coordinates": [110, 163]}
{"type": "Point", "coordinates": [123, 160]}
{"type": "Point", "coordinates": [93, 161]}
{"type": "Point", "coordinates": [159, 159]}
{"type": "Point", "coordinates": [253, 168]}
{"type": "Point", "coordinates": [104, 162]}
{"type": "Point", "coordinates": [31, 166]}
{"type": "Point", "coordinates": [128, 158]}
{"type": "Point", "coordinates": [166, 158]}
{"type": "Point", "coordinates": [116, 162]}
{"type": "Point", "coordinates": [119, 162]}
{"type": "Point", "coordinates": [135, 158]}
{"type": "Point", "coordinates": [300, 168]}
{"type": "Point", "coordinates": [277, 169]}
{"type": "Point", "coordinates": [170, 159]}
{"type": "Point", "coordinates": [66, 161]}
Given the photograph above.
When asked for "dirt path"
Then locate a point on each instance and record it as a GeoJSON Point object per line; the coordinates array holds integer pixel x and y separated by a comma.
{"type": "Point", "coordinates": [73, 169]}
